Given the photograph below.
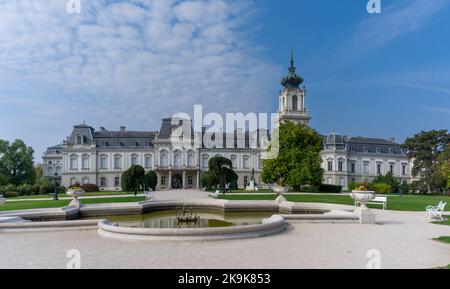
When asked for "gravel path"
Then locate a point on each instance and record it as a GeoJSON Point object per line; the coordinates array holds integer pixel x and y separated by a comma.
{"type": "Point", "coordinates": [404, 240]}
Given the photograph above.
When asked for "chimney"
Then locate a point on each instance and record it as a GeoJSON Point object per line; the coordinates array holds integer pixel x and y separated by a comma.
{"type": "Point", "coordinates": [392, 139]}
{"type": "Point", "coordinates": [123, 128]}
{"type": "Point", "coordinates": [102, 128]}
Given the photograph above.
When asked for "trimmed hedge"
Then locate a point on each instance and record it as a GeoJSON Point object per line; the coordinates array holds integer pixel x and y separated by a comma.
{"type": "Point", "coordinates": [324, 188]}
{"type": "Point", "coordinates": [90, 188]}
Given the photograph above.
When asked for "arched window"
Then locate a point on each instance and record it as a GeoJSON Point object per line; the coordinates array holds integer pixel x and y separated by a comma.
{"type": "Point", "coordinates": [103, 162]}
{"type": "Point", "coordinates": [177, 159]}
{"type": "Point", "coordinates": [246, 162]}
{"type": "Point", "coordinates": [117, 162]}
{"type": "Point", "coordinates": [79, 140]}
{"type": "Point", "coordinates": [50, 171]}
{"type": "Point", "coordinates": [205, 159]}
{"type": "Point", "coordinates": [148, 163]}
{"type": "Point", "coordinates": [134, 160]}
{"type": "Point", "coordinates": [73, 162]}
{"type": "Point", "coordinates": [295, 102]}
{"type": "Point", "coordinates": [85, 162]}
{"type": "Point", "coordinates": [164, 159]}
{"type": "Point", "coordinates": [58, 171]}
{"type": "Point", "coordinates": [234, 162]}
{"type": "Point", "coordinates": [191, 159]}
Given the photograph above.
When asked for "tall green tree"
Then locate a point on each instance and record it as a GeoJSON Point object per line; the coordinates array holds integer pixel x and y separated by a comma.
{"type": "Point", "coordinates": [298, 162]}
{"type": "Point", "coordinates": [444, 164]}
{"type": "Point", "coordinates": [220, 171]}
{"type": "Point", "coordinates": [425, 148]}
{"type": "Point", "coordinates": [133, 179]}
{"type": "Point", "coordinates": [16, 162]}
{"type": "Point", "coordinates": [150, 180]}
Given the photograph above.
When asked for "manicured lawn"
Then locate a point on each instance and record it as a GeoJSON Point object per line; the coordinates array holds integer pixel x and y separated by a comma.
{"type": "Point", "coordinates": [446, 223]}
{"type": "Point", "coordinates": [396, 203]}
{"type": "Point", "coordinates": [25, 205]}
{"type": "Point", "coordinates": [443, 239]}
{"type": "Point", "coordinates": [64, 195]}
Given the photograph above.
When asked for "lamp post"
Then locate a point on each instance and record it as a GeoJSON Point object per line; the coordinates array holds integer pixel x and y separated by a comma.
{"type": "Point", "coordinates": [55, 194]}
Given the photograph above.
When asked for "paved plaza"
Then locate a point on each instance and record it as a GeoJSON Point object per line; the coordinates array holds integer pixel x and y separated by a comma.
{"type": "Point", "coordinates": [404, 240]}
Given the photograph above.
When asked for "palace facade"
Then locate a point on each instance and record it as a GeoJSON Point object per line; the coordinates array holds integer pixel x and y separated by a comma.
{"type": "Point", "coordinates": [90, 156]}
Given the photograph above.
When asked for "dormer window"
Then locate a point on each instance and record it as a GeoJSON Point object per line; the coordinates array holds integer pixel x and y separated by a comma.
{"type": "Point", "coordinates": [79, 140]}
{"type": "Point", "coordinates": [378, 150]}
{"type": "Point", "coordinates": [391, 150]}
{"type": "Point", "coordinates": [365, 149]}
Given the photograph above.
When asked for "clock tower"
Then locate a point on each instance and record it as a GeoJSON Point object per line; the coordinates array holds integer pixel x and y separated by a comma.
{"type": "Point", "coordinates": [292, 98]}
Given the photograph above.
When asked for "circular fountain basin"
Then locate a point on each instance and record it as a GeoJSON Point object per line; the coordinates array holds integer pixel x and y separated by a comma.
{"type": "Point", "coordinates": [219, 231]}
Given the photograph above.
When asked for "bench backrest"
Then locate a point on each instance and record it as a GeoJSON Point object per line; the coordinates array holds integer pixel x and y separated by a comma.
{"type": "Point", "coordinates": [380, 199]}
{"type": "Point", "coordinates": [441, 206]}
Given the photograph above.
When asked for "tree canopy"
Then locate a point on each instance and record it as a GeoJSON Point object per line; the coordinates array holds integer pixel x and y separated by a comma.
{"type": "Point", "coordinates": [133, 179]}
{"type": "Point", "coordinates": [150, 180]}
{"type": "Point", "coordinates": [220, 172]}
{"type": "Point", "coordinates": [298, 162]}
{"type": "Point", "coordinates": [426, 149]}
{"type": "Point", "coordinates": [16, 163]}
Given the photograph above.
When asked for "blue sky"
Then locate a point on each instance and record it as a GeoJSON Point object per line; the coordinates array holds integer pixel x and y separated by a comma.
{"type": "Point", "coordinates": [134, 62]}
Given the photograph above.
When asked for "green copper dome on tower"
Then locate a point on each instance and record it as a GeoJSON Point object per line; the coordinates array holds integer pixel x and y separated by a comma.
{"type": "Point", "coordinates": [292, 79]}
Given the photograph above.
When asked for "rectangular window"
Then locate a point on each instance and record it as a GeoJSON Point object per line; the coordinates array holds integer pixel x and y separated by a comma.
{"type": "Point", "coordinates": [246, 164]}
{"type": "Point", "coordinates": [353, 167]}
{"type": "Point", "coordinates": [163, 180]}
{"type": "Point", "coordinates": [103, 164]}
{"type": "Point", "coordinates": [391, 168]}
{"type": "Point", "coordinates": [117, 182]}
{"type": "Point", "coordinates": [73, 163]}
{"type": "Point", "coordinates": [234, 162]}
{"type": "Point", "coordinates": [103, 182]}
{"type": "Point", "coordinates": [379, 169]}
{"type": "Point", "coordinates": [341, 166]}
{"type": "Point", "coordinates": [330, 166]}
{"type": "Point", "coordinates": [190, 181]}
{"type": "Point", "coordinates": [117, 163]}
{"type": "Point", "coordinates": [85, 163]}
{"type": "Point", "coordinates": [148, 162]}
{"type": "Point", "coordinates": [366, 168]}
{"type": "Point", "coordinates": [404, 170]}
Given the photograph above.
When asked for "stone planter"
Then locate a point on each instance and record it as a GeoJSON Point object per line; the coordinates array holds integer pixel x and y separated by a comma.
{"type": "Point", "coordinates": [366, 216]}
{"type": "Point", "coordinates": [280, 191]}
{"type": "Point", "coordinates": [75, 193]}
{"type": "Point", "coordinates": [362, 197]}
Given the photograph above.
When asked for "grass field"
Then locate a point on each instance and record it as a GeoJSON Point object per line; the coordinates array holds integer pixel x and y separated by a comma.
{"type": "Point", "coordinates": [64, 195]}
{"type": "Point", "coordinates": [25, 205]}
{"type": "Point", "coordinates": [396, 203]}
{"type": "Point", "coordinates": [446, 223]}
{"type": "Point", "coordinates": [443, 239]}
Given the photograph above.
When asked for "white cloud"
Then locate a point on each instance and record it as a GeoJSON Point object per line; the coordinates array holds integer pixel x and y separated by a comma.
{"type": "Point", "coordinates": [129, 62]}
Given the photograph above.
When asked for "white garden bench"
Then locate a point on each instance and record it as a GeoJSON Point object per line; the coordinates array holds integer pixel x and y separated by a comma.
{"type": "Point", "coordinates": [378, 200]}
{"type": "Point", "coordinates": [436, 211]}
{"type": "Point", "coordinates": [214, 195]}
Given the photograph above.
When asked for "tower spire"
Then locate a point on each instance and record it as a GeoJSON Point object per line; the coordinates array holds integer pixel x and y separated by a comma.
{"type": "Point", "coordinates": [292, 57]}
{"type": "Point", "coordinates": [292, 80]}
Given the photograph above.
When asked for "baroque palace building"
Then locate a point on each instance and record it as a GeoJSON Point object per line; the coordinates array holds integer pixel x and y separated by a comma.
{"type": "Point", "coordinates": [90, 156]}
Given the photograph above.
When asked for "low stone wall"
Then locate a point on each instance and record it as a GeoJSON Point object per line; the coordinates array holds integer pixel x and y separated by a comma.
{"type": "Point", "coordinates": [48, 226]}
{"type": "Point", "coordinates": [273, 225]}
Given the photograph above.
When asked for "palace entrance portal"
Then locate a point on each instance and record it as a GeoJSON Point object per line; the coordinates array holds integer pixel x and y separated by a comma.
{"type": "Point", "coordinates": [177, 182]}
